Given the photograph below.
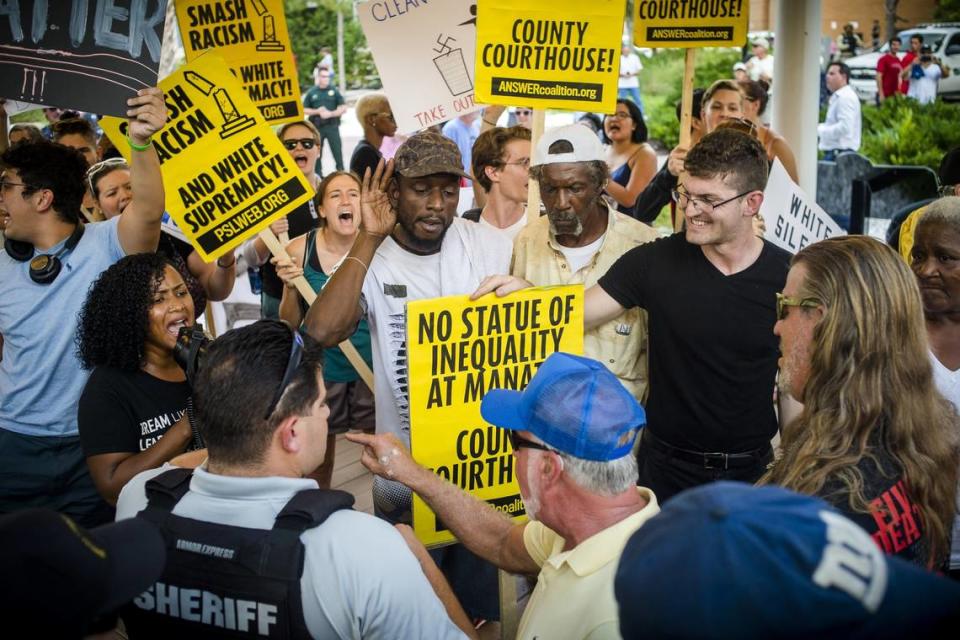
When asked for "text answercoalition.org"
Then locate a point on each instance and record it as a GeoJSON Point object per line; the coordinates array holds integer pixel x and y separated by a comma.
{"type": "Point", "coordinates": [659, 34]}
{"type": "Point", "coordinates": [546, 89]}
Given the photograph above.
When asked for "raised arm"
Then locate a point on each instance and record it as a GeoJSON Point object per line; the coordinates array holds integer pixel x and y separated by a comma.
{"type": "Point", "coordinates": [217, 277]}
{"type": "Point", "coordinates": [484, 530]}
{"type": "Point", "coordinates": [333, 316]}
{"type": "Point", "coordinates": [643, 166]}
{"type": "Point", "coordinates": [139, 226]}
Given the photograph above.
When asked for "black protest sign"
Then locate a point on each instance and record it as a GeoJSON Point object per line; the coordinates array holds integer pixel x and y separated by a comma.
{"type": "Point", "coordinates": [90, 55]}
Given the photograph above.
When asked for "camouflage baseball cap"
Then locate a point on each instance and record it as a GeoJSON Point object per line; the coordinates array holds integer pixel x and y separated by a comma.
{"type": "Point", "coordinates": [427, 153]}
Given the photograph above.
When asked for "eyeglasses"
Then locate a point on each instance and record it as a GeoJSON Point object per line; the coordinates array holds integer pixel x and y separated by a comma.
{"type": "Point", "coordinates": [306, 143]}
{"type": "Point", "coordinates": [948, 190]}
{"type": "Point", "coordinates": [682, 198]}
{"type": "Point", "coordinates": [7, 184]}
{"type": "Point", "coordinates": [784, 302]}
{"type": "Point", "coordinates": [523, 112]}
{"type": "Point", "coordinates": [296, 355]}
{"type": "Point", "coordinates": [96, 170]}
{"type": "Point", "coordinates": [522, 162]}
{"type": "Point", "coordinates": [519, 442]}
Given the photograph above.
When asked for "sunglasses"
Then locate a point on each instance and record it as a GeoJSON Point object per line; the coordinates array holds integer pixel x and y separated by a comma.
{"type": "Point", "coordinates": [100, 168]}
{"type": "Point", "coordinates": [784, 302]}
{"type": "Point", "coordinates": [523, 112]}
{"type": "Point", "coordinates": [296, 355]}
{"type": "Point", "coordinates": [519, 442]}
{"type": "Point", "coordinates": [306, 143]}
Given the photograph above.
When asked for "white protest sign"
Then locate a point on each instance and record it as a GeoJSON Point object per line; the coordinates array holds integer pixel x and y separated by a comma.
{"type": "Point", "coordinates": [424, 53]}
{"type": "Point", "coordinates": [793, 218]}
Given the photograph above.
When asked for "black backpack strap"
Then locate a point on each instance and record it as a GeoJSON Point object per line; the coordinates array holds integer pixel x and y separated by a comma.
{"type": "Point", "coordinates": [165, 490]}
{"type": "Point", "coordinates": [310, 508]}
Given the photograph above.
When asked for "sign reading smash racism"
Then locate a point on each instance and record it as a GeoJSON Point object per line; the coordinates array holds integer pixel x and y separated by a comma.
{"type": "Point", "coordinates": [792, 218]}
{"type": "Point", "coordinates": [225, 173]}
{"type": "Point", "coordinates": [458, 350]}
{"type": "Point", "coordinates": [84, 54]}
{"type": "Point", "coordinates": [251, 35]}
{"type": "Point", "coordinates": [438, 40]}
{"type": "Point", "coordinates": [562, 54]}
{"type": "Point", "coordinates": [690, 23]}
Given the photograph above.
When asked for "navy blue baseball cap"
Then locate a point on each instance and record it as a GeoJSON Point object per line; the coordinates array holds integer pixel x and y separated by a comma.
{"type": "Point", "coordinates": [729, 560]}
{"type": "Point", "coordinates": [573, 404]}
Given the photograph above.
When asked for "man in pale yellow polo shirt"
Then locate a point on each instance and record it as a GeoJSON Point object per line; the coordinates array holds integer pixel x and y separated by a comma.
{"type": "Point", "coordinates": [579, 240]}
{"type": "Point", "coordinates": [572, 431]}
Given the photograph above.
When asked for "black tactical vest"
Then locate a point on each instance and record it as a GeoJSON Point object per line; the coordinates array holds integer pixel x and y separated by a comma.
{"type": "Point", "coordinates": [222, 581]}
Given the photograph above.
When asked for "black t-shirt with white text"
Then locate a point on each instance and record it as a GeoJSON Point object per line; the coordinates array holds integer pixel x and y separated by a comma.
{"type": "Point", "coordinates": [123, 412]}
{"type": "Point", "coordinates": [713, 355]}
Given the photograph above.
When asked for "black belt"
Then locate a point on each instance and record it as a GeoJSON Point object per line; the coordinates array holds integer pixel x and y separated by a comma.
{"type": "Point", "coordinates": [709, 460]}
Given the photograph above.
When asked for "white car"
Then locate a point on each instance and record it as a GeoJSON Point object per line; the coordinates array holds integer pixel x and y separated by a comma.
{"type": "Point", "coordinates": [943, 39]}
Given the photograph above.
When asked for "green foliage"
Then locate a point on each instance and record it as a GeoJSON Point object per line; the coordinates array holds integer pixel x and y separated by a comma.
{"type": "Point", "coordinates": [661, 86]}
{"type": "Point", "coordinates": [947, 11]}
{"type": "Point", "coordinates": [903, 132]}
{"type": "Point", "coordinates": [313, 25]}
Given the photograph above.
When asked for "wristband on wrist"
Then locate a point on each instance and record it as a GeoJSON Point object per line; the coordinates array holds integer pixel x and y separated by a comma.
{"type": "Point", "coordinates": [492, 124]}
{"type": "Point", "coordinates": [138, 147]}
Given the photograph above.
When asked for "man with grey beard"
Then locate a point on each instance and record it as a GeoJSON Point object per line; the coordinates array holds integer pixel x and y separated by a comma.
{"type": "Point", "coordinates": [579, 240]}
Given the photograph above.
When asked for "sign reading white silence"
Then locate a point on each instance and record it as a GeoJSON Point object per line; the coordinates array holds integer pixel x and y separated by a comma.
{"type": "Point", "coordinates": [424, 54]}
{"type": "Point", "coordinates": [793, 218]}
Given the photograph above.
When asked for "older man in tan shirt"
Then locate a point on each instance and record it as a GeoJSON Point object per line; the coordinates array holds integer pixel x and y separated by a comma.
{"type": "Point", "coordinates": [579, 239]}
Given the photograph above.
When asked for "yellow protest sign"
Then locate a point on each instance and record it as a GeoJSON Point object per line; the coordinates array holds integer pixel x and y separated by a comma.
{"type": "Point", "coordinates": [562, 54]}
{"type": "Point", "coordinates": [690, 23]}
{"type": "Point", "coordinates": [225, 173]}
{"type": "Point", "coordinates": [252, 37]}
{"type": "Point", "coordinates": [457, 351]}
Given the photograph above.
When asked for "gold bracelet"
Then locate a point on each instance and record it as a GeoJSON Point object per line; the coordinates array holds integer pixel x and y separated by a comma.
{"type": "Point", "coordinates": [359, 261]}
{"type": "Point", "coordinates": [375, 235]}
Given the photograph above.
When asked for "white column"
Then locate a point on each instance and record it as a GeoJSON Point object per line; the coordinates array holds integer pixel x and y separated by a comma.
{"type": "Point", "coordinates": [796, 84]}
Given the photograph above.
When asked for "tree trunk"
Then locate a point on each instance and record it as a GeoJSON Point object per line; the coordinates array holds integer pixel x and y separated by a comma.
{"type": "Point", "coordinates": [340, 65]}
{"type": "Point", "coordinates": [891, 11]}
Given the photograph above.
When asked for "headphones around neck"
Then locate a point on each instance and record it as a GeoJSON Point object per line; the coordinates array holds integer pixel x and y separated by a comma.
{"type": "Point", "coordinates": [44, 268]}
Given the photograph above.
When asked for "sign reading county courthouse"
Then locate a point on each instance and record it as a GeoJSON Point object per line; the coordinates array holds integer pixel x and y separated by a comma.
{"type": "Point", "coordinates": [251, 35]}
{"type": "Point", "coordinates": [458, 350]}
{"type": "Point", "coordinates": [424, 54]}
{"type": "Point", "coordinates": [563, 54]}
{"type": "Point", "coordinates": [690, 23]}
{"type": "Point", "coordinates": [793, 219]}
{"type": "Point", "coordinates": [91, 55]}
{"type": "Point", "coordinates": [225, 173]}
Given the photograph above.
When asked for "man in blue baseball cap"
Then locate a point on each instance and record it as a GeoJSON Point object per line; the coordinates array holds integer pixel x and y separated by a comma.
{"type": "Point", "coordinates": [729, 560]}
{"type": "Point", "coordinates": [572, 431]}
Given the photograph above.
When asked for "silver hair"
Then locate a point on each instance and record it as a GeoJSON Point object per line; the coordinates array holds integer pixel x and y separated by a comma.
{"type": "Point", "coordinates": [946, 210]}
{"type": "Point", "coordinates": [608, 478]}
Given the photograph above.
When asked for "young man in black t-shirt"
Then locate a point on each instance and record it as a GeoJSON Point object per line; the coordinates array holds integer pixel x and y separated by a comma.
{"type": "Point", "coordinates": [710, 296]}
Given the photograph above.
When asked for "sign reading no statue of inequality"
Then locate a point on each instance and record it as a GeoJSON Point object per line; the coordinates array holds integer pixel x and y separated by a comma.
{"type": "Point", "coordinates": [225, 173]}
{"type": "Point", "coordinates": [424, 54]}
{"type": "Point", "coordinates": [251, 35]}
{"type": "Point", "coordinates": [90, 55]}
{"type": "Point", "coordinates": [793, 219]}
{"type": "Point", "coordinates": [690, 23]}
{"type": "Point", "coordinates": [458, 350]}
{"type": "Point", "coordinates": [563, 54]}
